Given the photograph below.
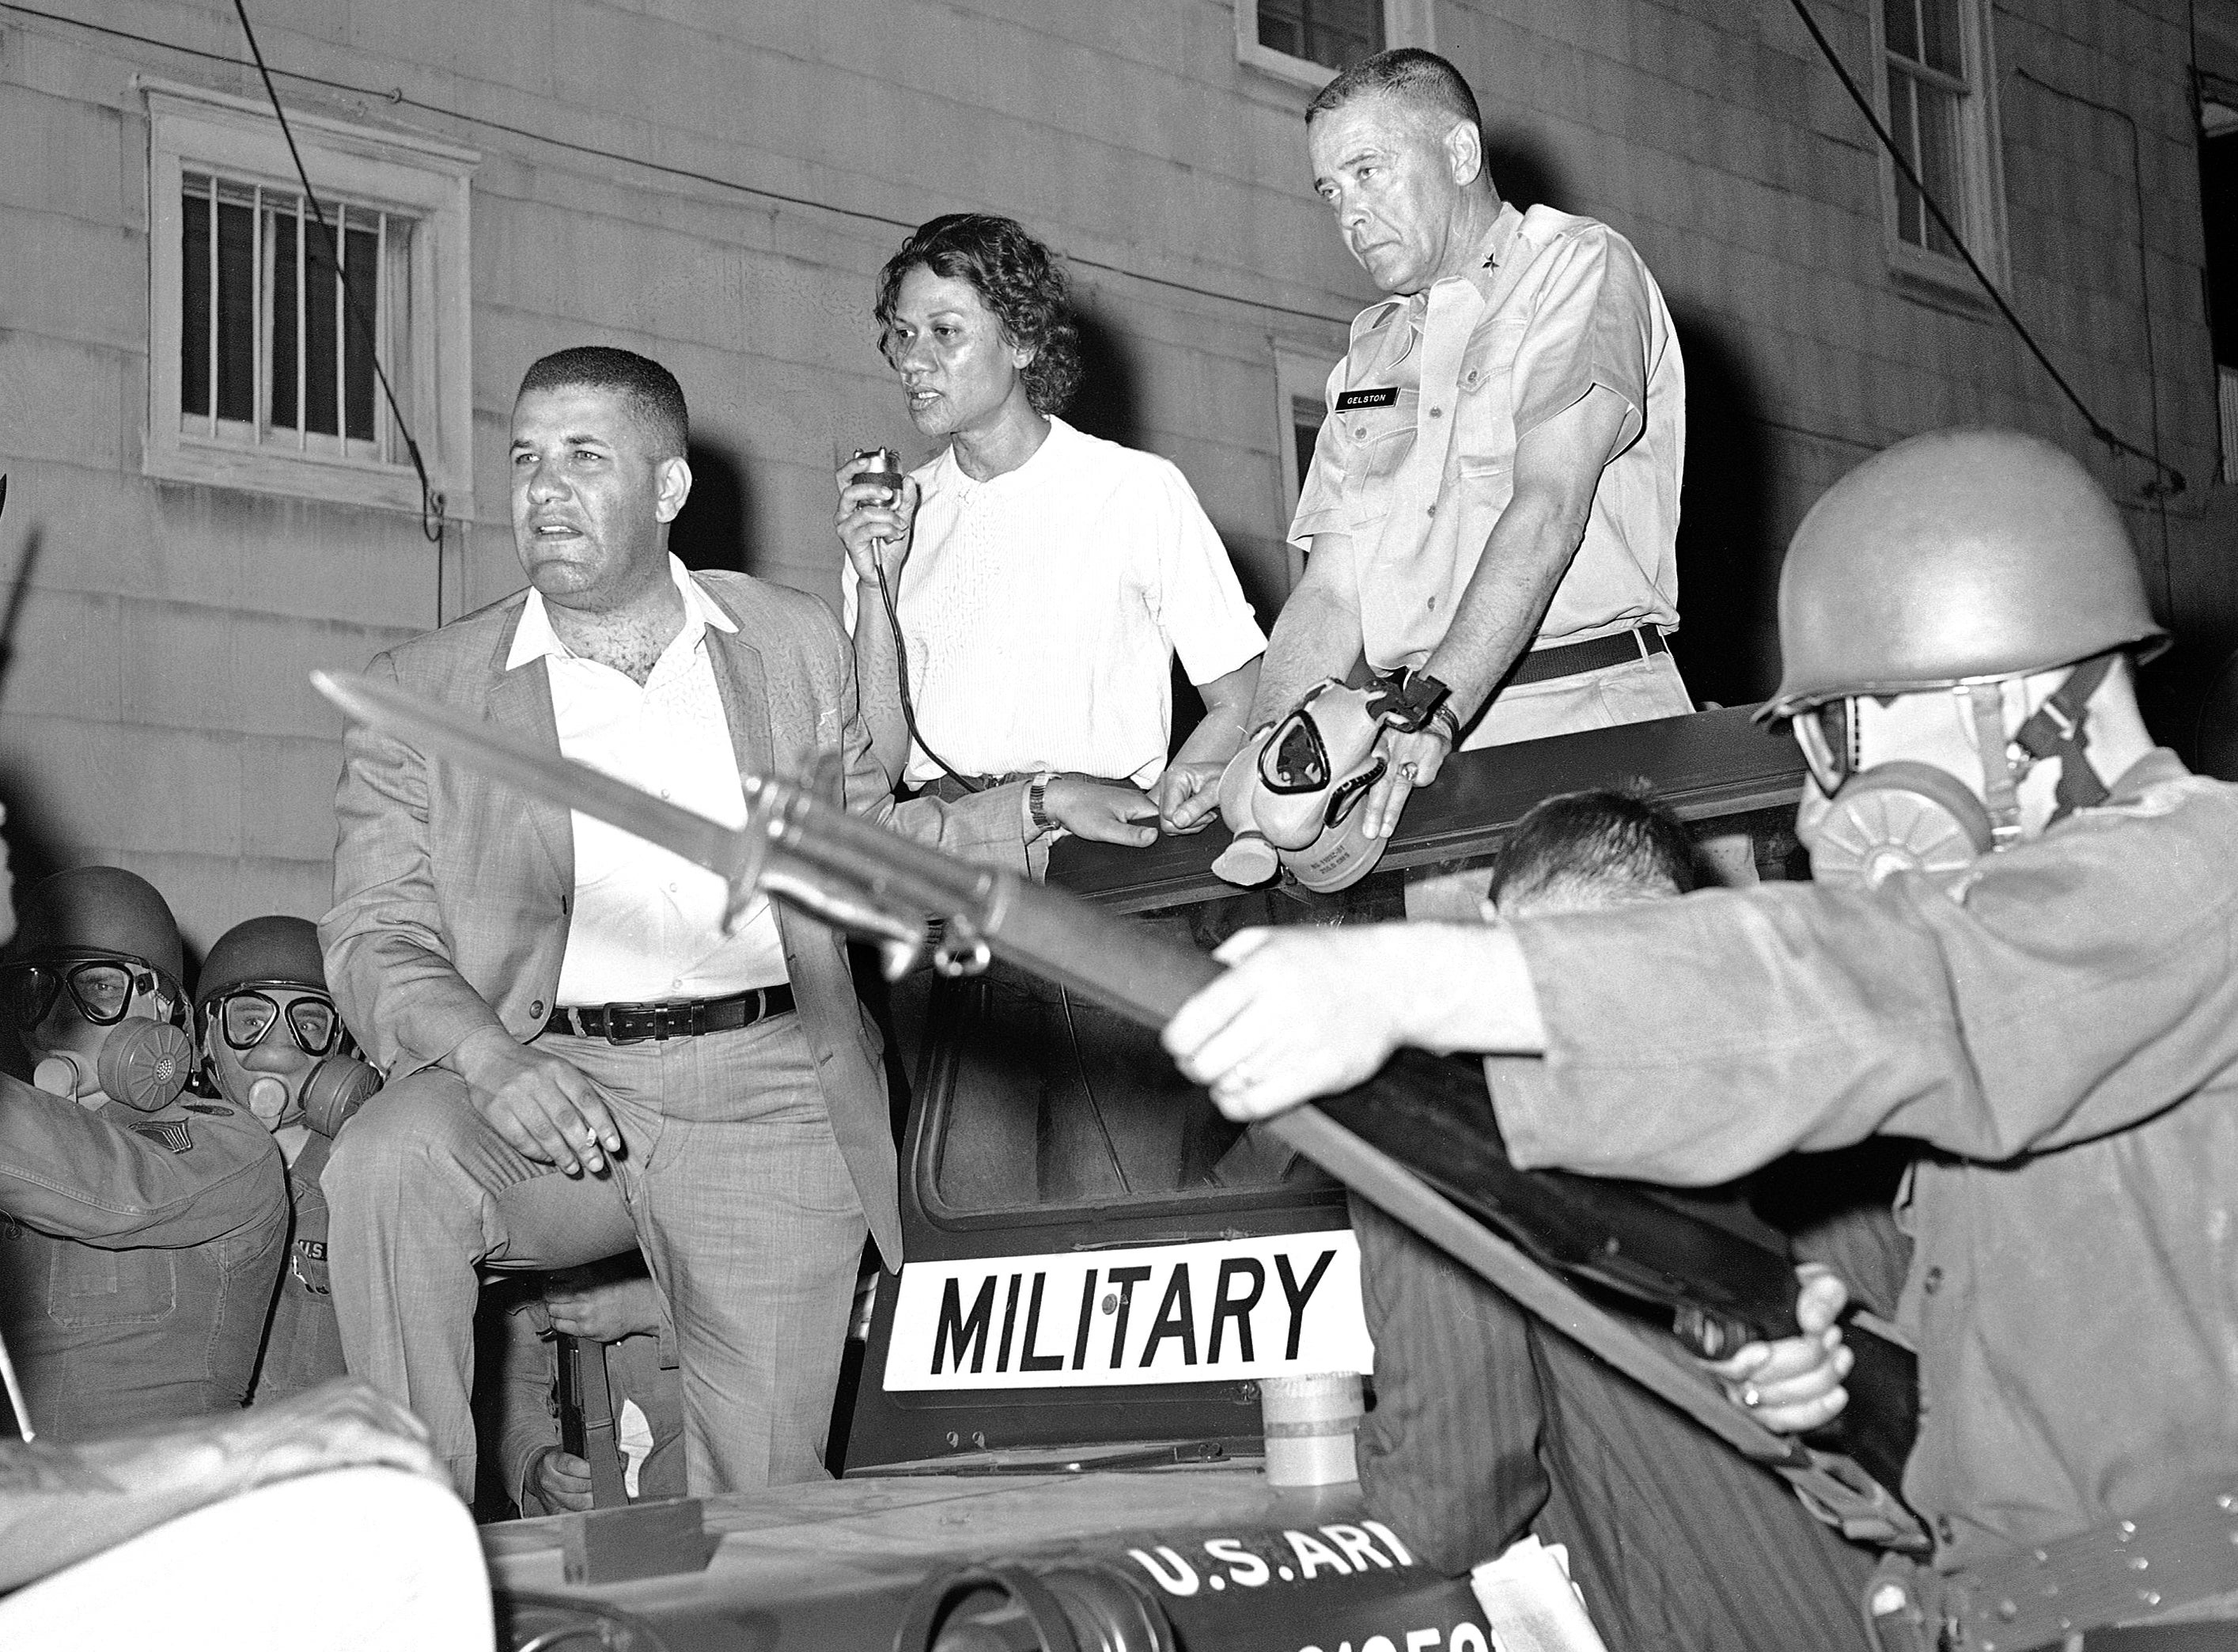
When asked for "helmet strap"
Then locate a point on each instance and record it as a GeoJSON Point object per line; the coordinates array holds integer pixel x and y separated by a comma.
{"type": "Point", "coordinates": [2060, 729]}
{"type": "Point", "coordinates": [1998, 786]}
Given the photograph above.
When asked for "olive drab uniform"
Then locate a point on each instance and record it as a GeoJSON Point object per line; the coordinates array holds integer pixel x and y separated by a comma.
{"type": "Point", "coordinates": [137, 1255]}
{"type": "Point", "coordinates": [304, 1346]}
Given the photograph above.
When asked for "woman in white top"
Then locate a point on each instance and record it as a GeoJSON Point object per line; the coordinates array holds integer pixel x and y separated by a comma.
{"type": "Point", "coordinates": [1043, 579]}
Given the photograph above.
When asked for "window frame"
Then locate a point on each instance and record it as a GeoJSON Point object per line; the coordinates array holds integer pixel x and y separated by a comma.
{"type": "Point", "coordinates": [192, 130]}
{"type": "Point", "coordinates": [1980, 212]}
{"type": "Point", "coordinates": [1405, 22]}
{"type": "Point", "coordinates": [1302, 374]}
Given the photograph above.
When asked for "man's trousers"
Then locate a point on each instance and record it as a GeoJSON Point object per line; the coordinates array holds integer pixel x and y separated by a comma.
{"type": "Point", "coordinates": [729, 1181]}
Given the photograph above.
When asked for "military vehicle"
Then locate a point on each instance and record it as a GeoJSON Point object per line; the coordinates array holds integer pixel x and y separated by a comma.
{"type": "Point", "coordinates": [1055, 1437]}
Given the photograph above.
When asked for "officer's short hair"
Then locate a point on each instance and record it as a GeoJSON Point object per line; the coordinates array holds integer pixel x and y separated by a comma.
{"type": "Point", "coordinates": [1599, 847]}
{"type": "Point", "coordinates": [653, 396]}
{"type": "Point", "coordinates": [1016, 276]}
{"type": "Point", "coordinates": [1420, 78]}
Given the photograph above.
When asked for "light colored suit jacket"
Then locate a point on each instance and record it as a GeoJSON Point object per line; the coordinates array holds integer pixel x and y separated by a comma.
{"type": "Point", "coordinates": [451, 891]}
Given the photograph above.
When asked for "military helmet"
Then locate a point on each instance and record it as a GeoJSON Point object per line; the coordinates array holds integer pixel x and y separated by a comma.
{"type": "Point", "coordinates": [1957, 556]}
{"type": "Point", "coordinates": [101, 910]}
{"type": "Point", "coordinates": [275, 950]}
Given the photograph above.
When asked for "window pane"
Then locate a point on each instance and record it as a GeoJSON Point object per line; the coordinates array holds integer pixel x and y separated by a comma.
{"type": "Point", "coordinates": [283, 227]}
{"type": "Point", "coordinates": [1938, 161]}
{"type": "Point", "coordinates": [236, 309]}
{"type": "Point", "coordinates": [318, 318]}
{"type": "Point", "coordinates": [1910, 215]}
{"type": "Point", "coordinates": [1305, 425]}
{"type": "Point", "coordinates": [362, 259]}
{"type": "Point", "coordinates": [1945, 48]}
{"type": "Point", "coordinates": [1900, 21]}
{"type": "Point", "coordinates": [1281, 26]}
{"type": "Point", "coordinates": [1340, 32]}
{"type": "Point", "coordinates": [194, 298]}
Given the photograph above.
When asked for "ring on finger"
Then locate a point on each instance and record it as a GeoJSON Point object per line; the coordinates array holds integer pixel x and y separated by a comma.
{"type": "Point", "coordinates": [1751, 1397]}
{"type": "Point", "coordinates": [1407, 771]}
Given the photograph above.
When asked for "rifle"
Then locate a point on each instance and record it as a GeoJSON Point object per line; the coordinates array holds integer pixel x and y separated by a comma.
{"type": "Point", "coordinates": [587, 1416]}
{"type": "Point", "coordinates": [1419, 1139]}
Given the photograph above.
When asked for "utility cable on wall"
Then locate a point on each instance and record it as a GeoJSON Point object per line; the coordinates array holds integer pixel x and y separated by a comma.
{"type": "Point", "coordinates": [396, 98]}
{"type": "Point", "coordinates": [431, 502]}
{"type": "Point", "coordinates": [2170, 480]}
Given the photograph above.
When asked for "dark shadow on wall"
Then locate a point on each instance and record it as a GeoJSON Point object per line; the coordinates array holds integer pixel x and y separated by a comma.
{"type": "Point", "coordinates": [1522, 170]}
{"type": "Point", "coordinates": [1728, 557]}
{"type": "Point", "coordinates": [1108, 403]}
{"type": "Point", "coordinates": [710, 532]}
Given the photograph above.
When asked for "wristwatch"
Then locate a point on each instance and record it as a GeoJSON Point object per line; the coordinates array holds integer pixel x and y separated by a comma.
{"type": "Point", "coordinates": [1043, 824]}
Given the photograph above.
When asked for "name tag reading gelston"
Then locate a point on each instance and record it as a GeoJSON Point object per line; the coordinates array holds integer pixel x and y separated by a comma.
{"type": "Point", "coordinates": [1165, 1313]}
{"type": "Point", "coordinates": [1385, 397]}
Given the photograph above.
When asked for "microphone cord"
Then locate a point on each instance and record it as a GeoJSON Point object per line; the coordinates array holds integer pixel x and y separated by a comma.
{"type": "Point", "coordinates": [901, 670]}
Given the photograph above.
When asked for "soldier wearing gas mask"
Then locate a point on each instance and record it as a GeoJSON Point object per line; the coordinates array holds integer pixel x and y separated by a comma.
{"type": "Point", "coordinates": [141, 1228]}
{"type": "Point", "coordinates": [2017, 951]}
{"type": "Point", "coordinates": [273, 1044]}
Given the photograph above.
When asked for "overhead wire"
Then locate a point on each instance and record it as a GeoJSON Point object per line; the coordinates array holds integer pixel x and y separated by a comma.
{"type": "Point", "coordinates": [396, 98]}
{"type": "Point", "coordinates": [2174, 480]}
{"type": "Point", "coordinates": [431, 501]}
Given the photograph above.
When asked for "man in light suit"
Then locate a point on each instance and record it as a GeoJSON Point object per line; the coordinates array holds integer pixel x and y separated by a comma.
{"type": "Point", "coordinates": [581, 1056]}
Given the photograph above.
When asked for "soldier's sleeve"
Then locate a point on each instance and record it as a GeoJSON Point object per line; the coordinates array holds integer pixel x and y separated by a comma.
{"type": "Point", "coordinates": [528, 1418]}
{"type": "Point", "coordinates": [2077, 987]}
{"type": "Point", "coordinates": [191, 1173]}
{"type": "Point", "coordinates": [1589, 327]}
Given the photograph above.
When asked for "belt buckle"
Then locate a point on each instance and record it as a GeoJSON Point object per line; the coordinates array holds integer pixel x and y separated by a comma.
{"type": "Point", "coordinates": [616, 1012]}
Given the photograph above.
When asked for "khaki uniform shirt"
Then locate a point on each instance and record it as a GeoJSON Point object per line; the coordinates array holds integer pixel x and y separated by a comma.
{"type": "Point", "coordinates": [1416, 459]}
{"type": "Point", "coordinates": [2060, 1030]}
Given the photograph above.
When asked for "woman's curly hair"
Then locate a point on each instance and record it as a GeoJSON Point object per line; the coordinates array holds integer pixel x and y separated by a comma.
{"type": "Point", "coordinates": [1015, 276]}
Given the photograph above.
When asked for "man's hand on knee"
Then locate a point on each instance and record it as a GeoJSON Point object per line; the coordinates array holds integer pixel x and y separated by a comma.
{"type": "Point", "coordinates": [545, 1107]}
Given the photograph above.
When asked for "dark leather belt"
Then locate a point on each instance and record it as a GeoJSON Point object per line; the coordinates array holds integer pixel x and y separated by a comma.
{"type": "Point", "coordinates": [1569, 659]}
{"type": "Point", "coordinates": [671, 1019]}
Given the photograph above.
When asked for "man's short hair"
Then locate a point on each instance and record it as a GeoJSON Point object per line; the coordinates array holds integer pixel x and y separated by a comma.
{"type": "Point", "coordinates": [1017, 279]}
{"type": "Point", "coordinates": [655, 399]}
{"type": "Point", "coordinates": [1418, 77]}
{"type": "Point", "coordinates": [1601, 848]}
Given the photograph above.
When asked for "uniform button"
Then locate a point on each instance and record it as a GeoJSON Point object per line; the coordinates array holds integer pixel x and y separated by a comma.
{"type": "Point", "coordinates": [1434, 510]}
{"type": "Point", "coordinates": [1932, 1282]}
{"type": "Point", "coordinates": [1437, 413]}
{"type": "Point", "coordinates": [1359, 433]}
{"type": "Point", "coordinates": [1942, 1532]}
{"type": "Point", "coordinates": [1470, 377]}
{"type": "Point", "coordinates": [536, 1008]}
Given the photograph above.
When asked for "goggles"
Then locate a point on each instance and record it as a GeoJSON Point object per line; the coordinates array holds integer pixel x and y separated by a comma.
{"type": "Point", "coordinates": [101, 988]}
{"type": "Point", "coordinates": [245, 1020]}
{"type": "Point", "coordinates": [1828, 736]}
{"type": "Point", "coordinates": [1294, 759]}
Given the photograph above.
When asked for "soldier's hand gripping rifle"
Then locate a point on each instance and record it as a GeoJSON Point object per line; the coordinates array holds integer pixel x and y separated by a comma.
{"type": "Point", "coordinates": [1420, 1138]}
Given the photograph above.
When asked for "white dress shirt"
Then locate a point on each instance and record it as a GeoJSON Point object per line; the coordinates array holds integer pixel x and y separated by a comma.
{"type": "Point", "coordinates": [647, 924]}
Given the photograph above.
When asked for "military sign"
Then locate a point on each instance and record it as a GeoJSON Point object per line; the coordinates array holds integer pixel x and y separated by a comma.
{"type": "Point", "coordinates": [1215, 1311]}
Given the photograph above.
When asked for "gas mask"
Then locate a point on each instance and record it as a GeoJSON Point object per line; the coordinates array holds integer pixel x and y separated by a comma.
{"type": "Point", "coordinates": [1864, 818]}
{"type": "Point", "coordinates": [1291, 795]}
{"type": "Point", "coordinates": [288, 1056]}
{"type": "Point", "coordinates": [144, 1061]}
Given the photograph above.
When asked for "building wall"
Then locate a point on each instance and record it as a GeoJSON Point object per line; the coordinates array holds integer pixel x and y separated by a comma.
{"type": "Point", "coordinates": [153, 711]}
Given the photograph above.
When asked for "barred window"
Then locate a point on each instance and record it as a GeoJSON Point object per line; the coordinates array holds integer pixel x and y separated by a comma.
{"type": "Point", "coordinates": [264, 332]}
{"type": "Point", "coordinates": [270, 352]}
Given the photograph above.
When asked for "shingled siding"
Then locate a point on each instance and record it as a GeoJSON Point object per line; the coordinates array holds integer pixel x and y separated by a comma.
{"type": "Point", "coordinates": [152, 711]}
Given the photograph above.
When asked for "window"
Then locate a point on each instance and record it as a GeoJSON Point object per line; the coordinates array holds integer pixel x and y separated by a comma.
{"type": "Point", "coordinates": [1300, 391]}
{"type": "Point", "coordinates": [1937, 98]}
{"type": "Point", "coordinates": [1306, 42]}
{"type": "Point", "coordinates": [265, 327]}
